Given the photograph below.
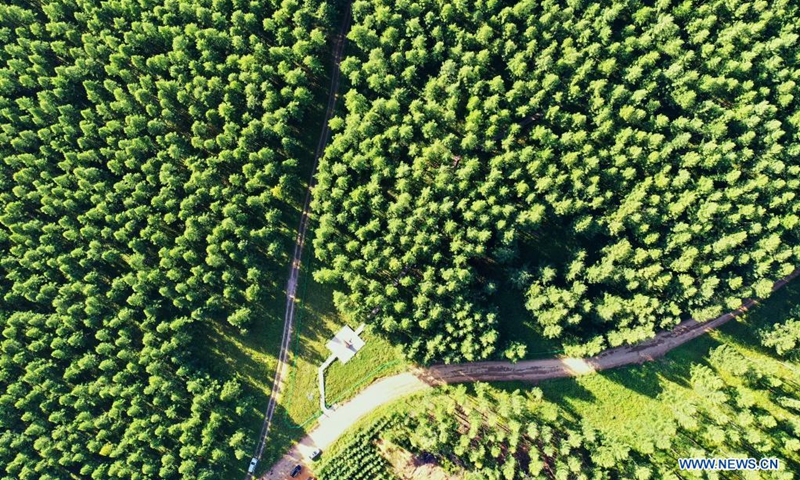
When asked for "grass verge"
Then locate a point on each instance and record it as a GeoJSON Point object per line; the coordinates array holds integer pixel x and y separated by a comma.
{"type": "Point", "coordinates": [251, 356]}
{"type": "Point", "coordinates": [632, 404]}
{"type": "Point", "coordinates": [628, 403]}
{"type": "Point", "coordinates": [317, 321]}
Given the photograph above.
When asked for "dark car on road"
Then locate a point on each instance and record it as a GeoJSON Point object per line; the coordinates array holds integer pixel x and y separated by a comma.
{"type": "Point", "coordinates": [296, 470]}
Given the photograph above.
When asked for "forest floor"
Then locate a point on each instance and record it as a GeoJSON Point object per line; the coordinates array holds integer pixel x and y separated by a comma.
{"type": "Point", "coordinates": [331, 426]}
{"type": "Point", "coordinates": [408, 466]}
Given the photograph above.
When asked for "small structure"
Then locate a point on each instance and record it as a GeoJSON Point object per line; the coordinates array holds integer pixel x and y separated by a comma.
{"type": "Point", "coordinates": [345, 344]}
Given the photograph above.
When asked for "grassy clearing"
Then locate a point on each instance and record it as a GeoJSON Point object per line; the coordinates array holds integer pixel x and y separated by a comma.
{"type": "Point", "coordinates": [631, 405]}
{"type": "Point", "coordinates": [378, 359]}
{"type": "Point", "coordinates": [252, 356]}
{"type": "Point", "coordinates": [628, 403]}
{"type": "Point", "coordinates": [316, 323]}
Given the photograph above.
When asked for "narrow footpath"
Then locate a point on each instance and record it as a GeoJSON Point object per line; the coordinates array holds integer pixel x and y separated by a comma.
{"type": "Point", "coordinates": [333, 425]}
{"type": "Point", "coordinates": [297, 257]}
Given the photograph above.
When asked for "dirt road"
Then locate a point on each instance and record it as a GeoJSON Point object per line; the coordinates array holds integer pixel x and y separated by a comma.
{"type": "Point", "coordinates": [297, 257]}
{"type": "Point", "coordinates": [391, 388]}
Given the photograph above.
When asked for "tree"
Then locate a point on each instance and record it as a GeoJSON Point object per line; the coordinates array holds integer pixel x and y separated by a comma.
{"type": "Point", "coordinates": [628, 163]}
{"type": "Point", "coordinates": [784, 337]}
{"type": "Point", "coordinates": [134, 137]}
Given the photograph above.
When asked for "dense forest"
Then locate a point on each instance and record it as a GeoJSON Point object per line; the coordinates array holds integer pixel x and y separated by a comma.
{"type": "Point", "coordinates": [146, 150]}
{"type": "Point", "coordinates": [625, 164]}
{"type": "Point", "coordinates": [734, 402]}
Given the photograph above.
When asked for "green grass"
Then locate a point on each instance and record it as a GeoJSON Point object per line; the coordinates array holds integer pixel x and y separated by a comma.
{"type": "Point", "coordinates": [251, 356]}
{"type": "Point", "coordinates": [626, 403]}
{"type": "Point", "coordinates": [377, 359]}
{"type": "Point", "coordinates": [316, 323]}
{"type": "Point", "coordinates": [631, 404]}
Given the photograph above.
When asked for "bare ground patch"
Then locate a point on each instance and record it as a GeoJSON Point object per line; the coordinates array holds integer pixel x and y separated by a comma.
{"type": "Point", "coordinates": [408, 466]}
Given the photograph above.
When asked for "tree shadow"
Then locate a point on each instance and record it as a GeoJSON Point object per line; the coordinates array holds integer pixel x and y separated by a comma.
{"type": "Point", "coordinates": [313, 316]}
{"type": "Point", "coordinates": [644, 379]}
{"type": "Point", "coordinates": [776, 309]}
{"type": "Point", "coordinates": [283, 433]}
{"type": "Point", "coordinates": [564, 392]}
{"type": "Point", "coordinates": [516, 324]}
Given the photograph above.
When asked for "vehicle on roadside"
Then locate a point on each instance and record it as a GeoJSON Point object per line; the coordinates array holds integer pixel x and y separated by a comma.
{"type": "Point", "coordinates": [315, 454]}
{"type": "Point", "coordinates": [252, 468]}
{"type": "Point", "coordinates": [296, 471]}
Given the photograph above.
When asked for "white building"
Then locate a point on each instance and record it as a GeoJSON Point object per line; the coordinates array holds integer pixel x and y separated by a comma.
{"type": "Point", "coordinates": [345, 344]}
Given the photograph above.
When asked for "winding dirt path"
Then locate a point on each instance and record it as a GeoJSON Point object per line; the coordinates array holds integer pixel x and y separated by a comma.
{"type": "Point", "coordinates": [385, 390]}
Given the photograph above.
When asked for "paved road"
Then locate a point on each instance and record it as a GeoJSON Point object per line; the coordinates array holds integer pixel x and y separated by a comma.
{"type": "Point", "coordinates": [391, 388]}
{"type": "Point", "coordinates": [294, 272]}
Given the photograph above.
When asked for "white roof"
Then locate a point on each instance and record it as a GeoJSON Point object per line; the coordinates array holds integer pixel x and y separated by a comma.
{"type": "Point", "coordinates": [345, 344]}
